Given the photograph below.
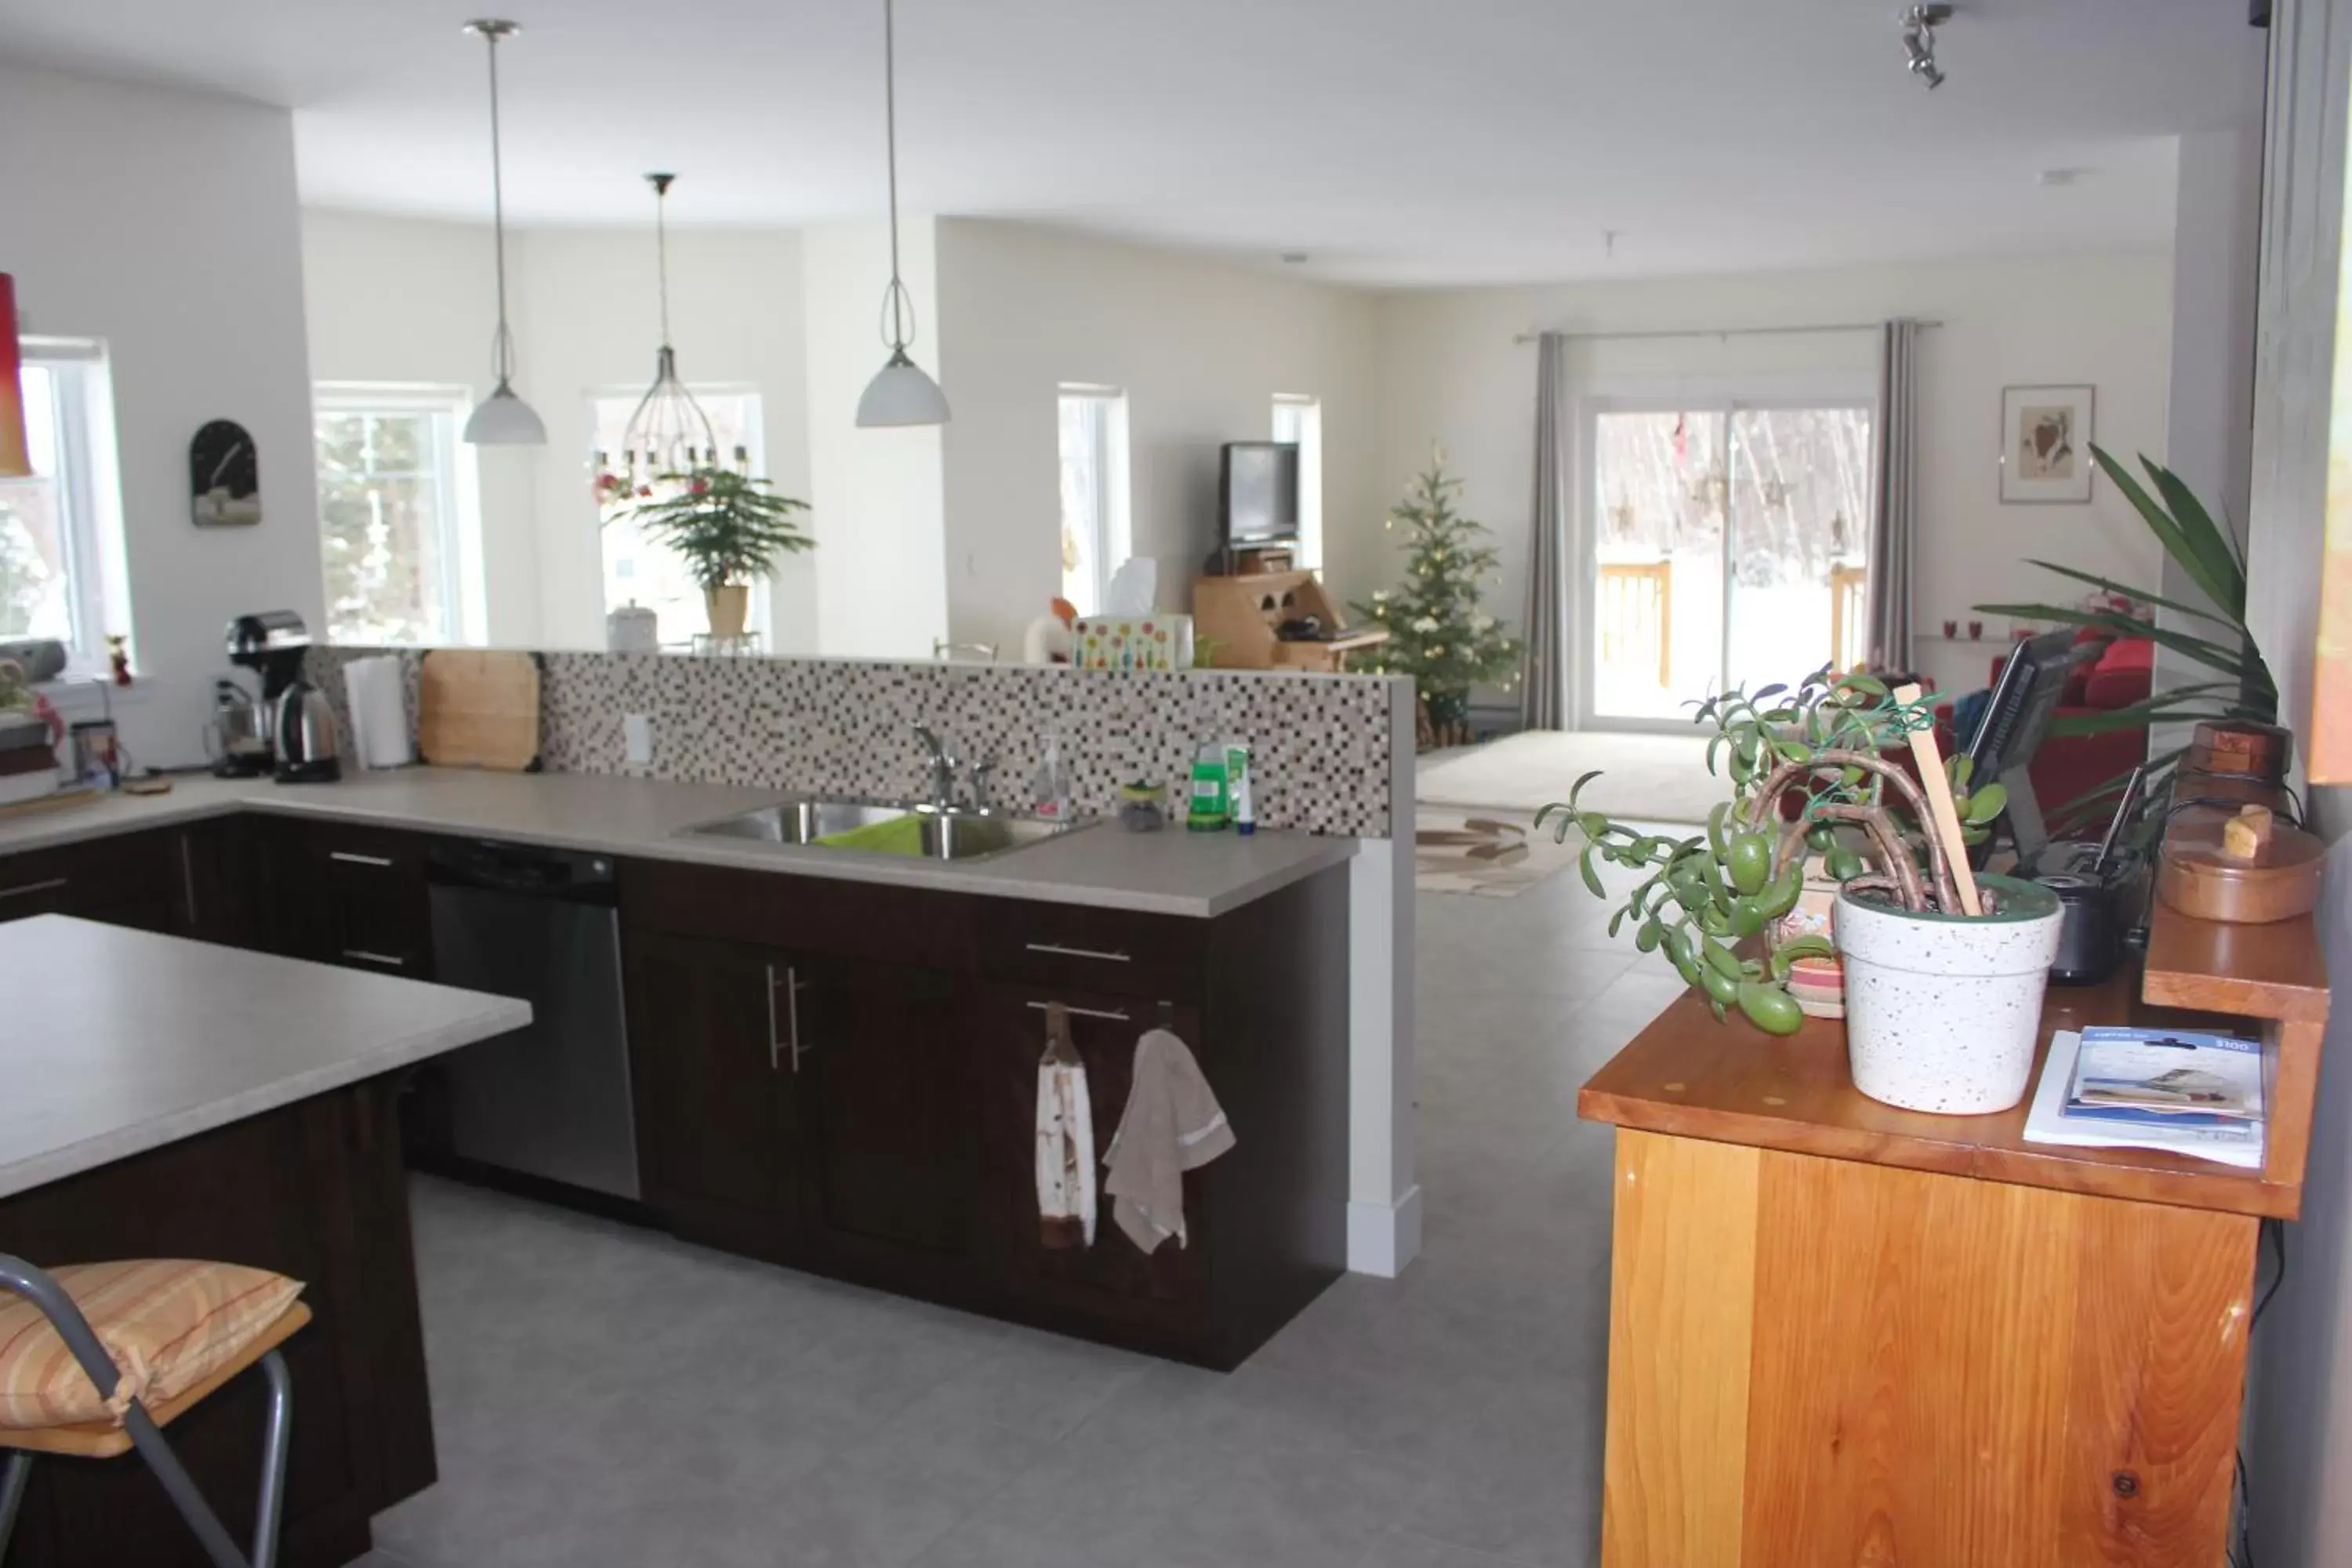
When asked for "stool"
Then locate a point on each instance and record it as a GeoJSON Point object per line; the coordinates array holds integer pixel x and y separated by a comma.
{"type": "Point", "coordinates": [229, 1319]}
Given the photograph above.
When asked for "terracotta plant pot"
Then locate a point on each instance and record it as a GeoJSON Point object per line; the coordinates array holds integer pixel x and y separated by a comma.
{"type": "Point", "coordinates": [728, 605]}
{"type": "Point", "coordinates": [1942, 1012]}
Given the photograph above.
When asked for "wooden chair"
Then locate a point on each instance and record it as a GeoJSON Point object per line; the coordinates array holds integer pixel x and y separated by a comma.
{"type": "Point", "coordinates": [141, 1428]}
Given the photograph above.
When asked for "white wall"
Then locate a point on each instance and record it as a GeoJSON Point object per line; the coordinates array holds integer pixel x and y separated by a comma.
{"type": "Point", "coordinates": [399, 300]}
{"type": "Point", "coordinates": [1450, 373]}
{"type": "Point", "coordinates": [880, 565]}
{"type": "Point", "coordinates": [1198, 346]}
{"type": "Point", "coordinates": [165, 223]}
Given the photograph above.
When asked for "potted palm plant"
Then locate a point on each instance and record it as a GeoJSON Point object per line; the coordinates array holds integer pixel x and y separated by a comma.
{"type": "Point", "coordinates": [729, 528]}
{"type": "Point", "coordinates": [1943, 1007]}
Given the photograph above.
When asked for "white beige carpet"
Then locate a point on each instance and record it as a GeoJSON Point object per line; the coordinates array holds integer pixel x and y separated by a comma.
{"type": "Point", "coordinates": [1662, 778]}
{"type": "Point", "coordinates": [1487, 856]}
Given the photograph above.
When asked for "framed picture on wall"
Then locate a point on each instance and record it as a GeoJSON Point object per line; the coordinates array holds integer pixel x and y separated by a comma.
{"type": "Point", "coordinates": [2045, 434]}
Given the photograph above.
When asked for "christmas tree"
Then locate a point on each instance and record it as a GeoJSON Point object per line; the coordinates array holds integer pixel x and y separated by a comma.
{"type": "Point", "coordinates": [1437, 633]}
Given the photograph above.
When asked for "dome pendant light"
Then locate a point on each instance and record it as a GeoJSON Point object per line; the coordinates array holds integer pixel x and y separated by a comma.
{"type": "Point", "coordinates": [503, 419]}
{"type": "Point", "coordinates": [900, 394]}
{"type": "Point", "coordinates": [669, 434]}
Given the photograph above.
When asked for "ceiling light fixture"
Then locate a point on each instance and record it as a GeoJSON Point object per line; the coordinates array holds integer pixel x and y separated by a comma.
{"type": "Point", "coordinates": [1919, 24]}
{"type": "Point", "coordinates": [669, 433]}
{"type": "Point", "coordinates": [503, 419]}
{"type": "Point", "coordinates": [901, 393]}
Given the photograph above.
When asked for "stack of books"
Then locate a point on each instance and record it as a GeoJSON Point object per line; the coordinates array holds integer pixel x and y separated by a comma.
{"type": "Point", "coordinates": [2178, 1089]}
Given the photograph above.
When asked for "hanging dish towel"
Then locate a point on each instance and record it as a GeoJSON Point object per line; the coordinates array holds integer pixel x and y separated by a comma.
{"type": "Point", "coordinates": [1172, 1124]}
{"type": "Point", "coordinates": [1065, 1139]}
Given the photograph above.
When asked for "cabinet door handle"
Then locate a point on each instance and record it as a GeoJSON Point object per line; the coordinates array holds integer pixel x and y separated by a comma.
{"type": "Point", "coordinates": [775, 1046]}
{"type": "Point", "coordinates": [1112, 1013]}
{"type": "Point", "coordinates": [1057, 949]}
{"type": "Point", "coordinates": [778, 1045]}
{"type": "Point", "coordinates": [188, 878]}
{"type": "Point", "coordinates": [793, 1010]}
{"type": "Point", "coordinates": [353, 858]}
{"type": "Point", "coordinates": [50, 886]}
{"type": "Point", "coordinates": [363, 956]}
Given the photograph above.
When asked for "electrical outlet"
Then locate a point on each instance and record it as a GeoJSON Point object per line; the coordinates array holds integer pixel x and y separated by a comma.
{"type": "Point", "coordinates": [638, 731]}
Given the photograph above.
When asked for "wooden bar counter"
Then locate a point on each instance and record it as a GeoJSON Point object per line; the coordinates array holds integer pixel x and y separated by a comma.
{"type": "Point", "coordinates": [1845, 1334]}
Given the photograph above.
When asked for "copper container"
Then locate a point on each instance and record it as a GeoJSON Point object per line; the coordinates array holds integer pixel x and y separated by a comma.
{"type": "Point", "coordinates": [2281, 882]}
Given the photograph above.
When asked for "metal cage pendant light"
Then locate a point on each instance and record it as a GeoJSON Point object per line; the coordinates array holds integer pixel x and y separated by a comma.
{"type": "Point", "coordinates": [669, 434]}
{"type": "Point", "coordinates": [901, 393]}
{"type": "Point", "coordinates": [503, 419]}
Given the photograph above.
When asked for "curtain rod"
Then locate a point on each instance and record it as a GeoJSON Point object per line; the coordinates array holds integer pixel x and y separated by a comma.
{"type": "Point", "coordinates": [1720, 333]}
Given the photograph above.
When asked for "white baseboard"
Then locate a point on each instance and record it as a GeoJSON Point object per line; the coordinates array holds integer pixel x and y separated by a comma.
{"type": "Point", "coordinates": [1383, 1237]}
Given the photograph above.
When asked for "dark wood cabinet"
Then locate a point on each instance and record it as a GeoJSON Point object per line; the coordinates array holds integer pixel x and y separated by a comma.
{"type": "Point", "coordinates": [349, 895]}
{"type": "Point", "coordinates": [133, 879]}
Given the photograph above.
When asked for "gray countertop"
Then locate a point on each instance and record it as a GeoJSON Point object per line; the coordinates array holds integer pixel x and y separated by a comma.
{"type": "Point", "coordinates": [120, 1041]}
{"type": "Point", "coordinates": [1169, 872]}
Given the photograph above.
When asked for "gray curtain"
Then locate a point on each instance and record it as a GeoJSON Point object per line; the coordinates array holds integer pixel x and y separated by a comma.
{"type": "Point", "coordinates": [1544, 702]}
{"type": "Point", "coordinates": [1895, 501]}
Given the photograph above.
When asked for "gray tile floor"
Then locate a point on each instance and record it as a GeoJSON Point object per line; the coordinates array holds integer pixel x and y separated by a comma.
{"type": "Point", "coordinates": [604, 1395]}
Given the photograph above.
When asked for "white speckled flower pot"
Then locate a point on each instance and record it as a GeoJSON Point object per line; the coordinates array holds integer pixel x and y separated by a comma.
{"type": "Point", "coordinates": [1942, 1012]}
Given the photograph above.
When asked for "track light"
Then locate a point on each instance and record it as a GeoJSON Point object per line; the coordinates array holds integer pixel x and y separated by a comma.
{"type": "Point", "coordinates": [1919, 24]}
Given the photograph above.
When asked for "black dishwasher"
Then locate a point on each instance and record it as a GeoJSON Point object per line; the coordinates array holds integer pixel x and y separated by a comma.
{"type": "Point", "coordinates": [550, 1100]}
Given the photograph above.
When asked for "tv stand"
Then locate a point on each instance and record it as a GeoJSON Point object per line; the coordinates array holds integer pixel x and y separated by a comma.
{"type": "Point", "coordinates": [1240, 615]}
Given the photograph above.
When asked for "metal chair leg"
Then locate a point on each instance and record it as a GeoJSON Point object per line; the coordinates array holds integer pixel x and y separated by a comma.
{"type": "Point", "coordinates": [181, 1488]}
{"type": "Point", "coordinates": [12, 1494]}
{"type": "Point", "coordinates": [275, 1440]}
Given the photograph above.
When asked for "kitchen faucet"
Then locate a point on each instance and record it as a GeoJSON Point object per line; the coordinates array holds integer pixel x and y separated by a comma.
{"type": "Point", "coordinates": [944, 767]}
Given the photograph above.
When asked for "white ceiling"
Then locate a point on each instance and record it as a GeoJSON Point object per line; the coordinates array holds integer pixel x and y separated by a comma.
{"type": "Point", "coordinates": [1395, 140]}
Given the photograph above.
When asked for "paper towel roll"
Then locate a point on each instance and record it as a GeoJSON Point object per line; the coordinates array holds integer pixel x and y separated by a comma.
{"type": "Point", "coordinates": [379, 702]}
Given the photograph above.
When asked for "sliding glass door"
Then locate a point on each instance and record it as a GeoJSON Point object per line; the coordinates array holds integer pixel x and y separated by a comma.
{"type": "Point", "coordinates": [1728, 543]}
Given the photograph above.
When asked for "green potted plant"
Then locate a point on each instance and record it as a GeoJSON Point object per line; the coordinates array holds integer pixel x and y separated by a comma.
{"type": "Point", "coordinates": [1942, 1008]}
{"type": "Point", "coordinates": [731, 530]}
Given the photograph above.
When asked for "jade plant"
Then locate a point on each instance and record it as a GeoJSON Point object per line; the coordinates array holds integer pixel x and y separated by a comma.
{"type": "Point", "coordinates": [1707, 894]}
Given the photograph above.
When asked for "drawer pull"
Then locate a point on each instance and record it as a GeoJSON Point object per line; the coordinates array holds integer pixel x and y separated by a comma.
{"type": "Point", "coordinates": [51, 885]}
{"type": "Point", "coordinates": [364, 956]}
{"type": "Point", "coordinates": [1059, 950]}
{"type": "Point", "coordinates": [1111, 1014]}
{"type": "Point", "coordinates": [353, 858]}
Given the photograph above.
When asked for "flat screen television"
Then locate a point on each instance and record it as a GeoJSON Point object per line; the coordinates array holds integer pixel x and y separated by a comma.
{"type": "Point", "coordinates": [1257, 492]}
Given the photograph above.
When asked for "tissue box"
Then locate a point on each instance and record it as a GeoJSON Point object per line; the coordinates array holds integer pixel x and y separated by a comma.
{"type": "Point", "coordinates": [1155, 641]}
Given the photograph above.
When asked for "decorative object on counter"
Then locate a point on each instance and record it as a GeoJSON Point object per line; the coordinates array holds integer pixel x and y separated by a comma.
{"type": "Point", "coordinates": [2046, 444]}
{"type": "Point", "coordinates": [1049, 639]}
{"type": "Point", "coordinates": [224, 477]}
{"type": "Point", "coordinates": [1438, 632]}
{"type": "Point", "coordinates": [118, 659]}
{"type": "Point", "coordinates": [376, 693]}
{"type": "Point", "coordinates": [668, 435]}
{"type": "Point", "coordinates": [1160, 640]}
{"type": "Point", "coordinates": [30, 733]}
{"type": "Point", "coordinates": [1065, 1139]}
{"type": "Point", "coordinates": [2241, 690]}
{"type": "Point", "coordinates": [97, 753]}
{"type": "Point", "coordinates": [632, 628]}
{"type": "Point", "coordinates": [1951, 631]}
{"type": "Point", "coordinates": [36, 658]}
{"type": "Point", "coordinates": [503, 418]}
{"type": "Point", "coordinates": [2228, 868]}
{"type": "Point", "coordinates": [15, 460]}
{"type": "Point", "coordinates": [2235, 758]}
{"type": "Point", "coordinates": [1976, 631]}
{"type": "Point", "coordinates": [1172, 1124]}
{"type": "Point", "coordinates": [901, 393]}
{"type": "Point", "coordinates": [304, 737]}
{"type": "Point", "coordinates": [715, 645]}
{"type": "Point", "coordinates": [1807, 776]}
{"type": "Point", "coordinates": [1481, 854]}
{"type": "Point", "coordinates": [478, 709]}
{"type": "Point", "coordinates": [1142, 807]}
{"type": "Point", "coordinates": [729, 528]}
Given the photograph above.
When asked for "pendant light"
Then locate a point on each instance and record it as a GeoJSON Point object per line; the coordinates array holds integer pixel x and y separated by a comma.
{"type": "Point", "coordinates": [503, 419]}
{"type": "Point", "coordinates": [669, 433]}
{"type": "Point", "coordinates": [900, 394]}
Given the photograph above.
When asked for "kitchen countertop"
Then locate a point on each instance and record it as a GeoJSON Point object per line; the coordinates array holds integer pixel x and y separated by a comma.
{"type": "Point", "coordinates": [127, 1040]}
{"type": "Point", "coordinates": [1170, 872]}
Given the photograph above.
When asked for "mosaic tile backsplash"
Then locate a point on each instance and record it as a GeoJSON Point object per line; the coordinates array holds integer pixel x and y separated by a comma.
{"type": "Point", "coordinates": [1320, 745]}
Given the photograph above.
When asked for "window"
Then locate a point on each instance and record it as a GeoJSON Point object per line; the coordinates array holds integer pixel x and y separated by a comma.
{"type": "Point", "coordinates": [1298, 419]}
{"type": "Point", "coordinates": [398, 540]}
{"type": "Point", "coordinates": [1095, 540]}
{"type": "Point", "coordinates": [639, 571]}
{"type": "Point", "coordinates": [60, 530]}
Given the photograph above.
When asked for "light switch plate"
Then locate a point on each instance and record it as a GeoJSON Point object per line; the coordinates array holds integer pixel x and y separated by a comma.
{"type": "Point", "coordinates": [638, 731]}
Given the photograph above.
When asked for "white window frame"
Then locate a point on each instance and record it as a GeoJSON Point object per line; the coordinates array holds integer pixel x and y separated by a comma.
{"type": "Point", "coordinates": [89, 494]}
{"type": "Point", "coordinates": [1114, 528]}
{"type": "Point", "coordinates": [457, 489]}
{"type": "Point", "coordinates": [1299, 416]}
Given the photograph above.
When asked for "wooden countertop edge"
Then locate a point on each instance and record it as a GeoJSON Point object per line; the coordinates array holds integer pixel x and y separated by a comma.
{"type": "Point", "coordinates": [2092, 1173]}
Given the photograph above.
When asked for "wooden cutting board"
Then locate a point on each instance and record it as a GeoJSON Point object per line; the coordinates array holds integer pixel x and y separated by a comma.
{"type": "Point", "coordinates": [478, 709]}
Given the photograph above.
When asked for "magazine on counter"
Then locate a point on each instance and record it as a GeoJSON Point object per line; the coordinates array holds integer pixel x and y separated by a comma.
{"type": "Point", "coordinates": [2219, 1120]}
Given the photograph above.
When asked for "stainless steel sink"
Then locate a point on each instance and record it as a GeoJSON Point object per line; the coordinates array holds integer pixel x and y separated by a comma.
{"type": "Point", "coordinates": [941, 834]}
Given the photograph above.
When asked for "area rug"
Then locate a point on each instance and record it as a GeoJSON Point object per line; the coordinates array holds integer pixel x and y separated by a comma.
{"type": "Point", "coordinates": [1487, 856]}
{"type": "Point", "coordinates": [1663, 778]}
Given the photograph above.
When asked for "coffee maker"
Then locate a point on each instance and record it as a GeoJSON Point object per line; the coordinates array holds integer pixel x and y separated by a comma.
{"type": "Point", "coordinates": [300, 727]}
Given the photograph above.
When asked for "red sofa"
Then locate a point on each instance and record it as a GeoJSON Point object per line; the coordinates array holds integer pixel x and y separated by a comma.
{"type": "Point", "coordinates": [2122, 673]}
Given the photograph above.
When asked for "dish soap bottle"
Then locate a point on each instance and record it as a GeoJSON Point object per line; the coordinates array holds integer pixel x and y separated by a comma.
{"type": "Point", "coordinates": [1209, 802]}
{"type": "Point", "coordinates": [1050, 790]}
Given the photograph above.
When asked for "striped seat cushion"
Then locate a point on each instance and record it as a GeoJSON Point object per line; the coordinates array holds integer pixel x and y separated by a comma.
{"type": "Point", "coordinates": [168, 1323]}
